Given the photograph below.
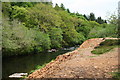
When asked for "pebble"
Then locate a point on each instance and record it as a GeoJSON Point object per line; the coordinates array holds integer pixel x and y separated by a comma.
{"type": "Point", "coordinates": [112, 71]}
{"type": "Point", "coordinates": [95, 67]}
{"type": "Point", "coordinates": [81, 77]}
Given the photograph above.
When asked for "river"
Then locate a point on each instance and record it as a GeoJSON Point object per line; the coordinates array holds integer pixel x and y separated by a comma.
{"type": "Point", "coordinates": [24, 64]}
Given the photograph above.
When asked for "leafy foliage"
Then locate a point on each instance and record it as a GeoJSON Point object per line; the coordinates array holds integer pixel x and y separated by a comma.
{"type": "Point", "coordinates": [106, 46]}
{"type": "Point", "coordinates": [92, 17]}
{"type": "Point", "coordinates": [116, 75]}
{"type": "Point", "coordinates": [18, 12]}
{"type": "Point", "coordinates": [18, 39]}
{"type": "Point", "coordinates": [104, 30]}
{"type": "Point", "coordinates": [43, 16]}
{"type": "Point", "coordinates": [35, 27]}
{"type": "Point", "coordinates": [56, 37]}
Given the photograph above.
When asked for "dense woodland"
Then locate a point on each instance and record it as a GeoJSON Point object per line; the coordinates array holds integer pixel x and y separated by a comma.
{"type": "Point", "coordinates": [30, 27]}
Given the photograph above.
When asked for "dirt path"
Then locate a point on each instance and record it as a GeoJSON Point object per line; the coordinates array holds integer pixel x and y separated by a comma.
{"type": "Point", "coordinates": [81, 63]}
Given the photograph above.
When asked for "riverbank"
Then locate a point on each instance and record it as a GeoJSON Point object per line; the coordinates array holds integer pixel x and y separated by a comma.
{"type": "Point", "coordinates": [81, 63]}
{"type": "Point", "coordinates": [28, 63]}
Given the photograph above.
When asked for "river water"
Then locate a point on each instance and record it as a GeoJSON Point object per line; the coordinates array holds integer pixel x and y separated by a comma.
{"type": "Point", "coordinates": [24, 64]}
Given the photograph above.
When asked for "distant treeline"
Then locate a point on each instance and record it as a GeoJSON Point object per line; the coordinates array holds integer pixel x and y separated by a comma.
{"type": "Point", "coordinates": [30, 27]}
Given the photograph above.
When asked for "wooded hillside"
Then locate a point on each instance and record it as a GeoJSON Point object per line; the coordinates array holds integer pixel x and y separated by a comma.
{"type": "Point", "coordinates": [35, 27]}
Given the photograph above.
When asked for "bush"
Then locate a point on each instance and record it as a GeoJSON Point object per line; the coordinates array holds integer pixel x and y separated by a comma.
{"type": "Point", "coordinates": [18, 39]}
{"type": "Point", "coordinates": [104, 30]}
{"type": "Point", "coordinates": [105, 46]}
{"type": "Point", "coordinates": [56, 37]}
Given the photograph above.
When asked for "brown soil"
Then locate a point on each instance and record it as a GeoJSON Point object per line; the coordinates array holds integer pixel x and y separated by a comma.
{"type": "Point", "coordinates": [81, 63]}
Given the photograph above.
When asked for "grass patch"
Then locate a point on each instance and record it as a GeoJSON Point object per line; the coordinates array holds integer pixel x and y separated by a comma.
{"type": "Point", "coordinates": [106, 46]}
{"type": "Point", "coordinates": [116, 75]}
{"type": "Point", "coordinates": [36, 68]}
{"type": "Point", "coordinates": [39, 67]}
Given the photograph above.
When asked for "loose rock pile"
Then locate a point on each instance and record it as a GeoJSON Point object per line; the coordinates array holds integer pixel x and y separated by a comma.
{"type": "Point", "coordinates": [81, 63]}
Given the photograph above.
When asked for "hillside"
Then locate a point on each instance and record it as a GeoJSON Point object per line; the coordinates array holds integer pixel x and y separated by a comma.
{"type": "Point", "coordinates": [38, 27]}
{"type": "Point", "coordinates": [81, 63]}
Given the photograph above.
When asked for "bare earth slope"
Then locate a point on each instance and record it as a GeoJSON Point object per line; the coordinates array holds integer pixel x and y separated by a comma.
{"type": "Point", "coordinates": [81, 63]}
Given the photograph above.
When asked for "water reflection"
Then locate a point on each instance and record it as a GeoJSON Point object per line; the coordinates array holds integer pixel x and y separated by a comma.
{"type": "Point", "coordinates": [24, 64]}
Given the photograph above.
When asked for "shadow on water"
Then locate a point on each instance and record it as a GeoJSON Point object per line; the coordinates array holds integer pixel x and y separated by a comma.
{"type": "Point", "coordinates": [24, 64]}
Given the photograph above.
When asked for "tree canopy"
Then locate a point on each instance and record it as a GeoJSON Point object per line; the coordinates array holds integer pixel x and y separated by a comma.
{"type": "Point", "coordinates": [35, 27]}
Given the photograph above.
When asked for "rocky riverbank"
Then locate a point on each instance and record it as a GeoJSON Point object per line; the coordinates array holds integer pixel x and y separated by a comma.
{"type": "Point", "coordinates": [81, 63]}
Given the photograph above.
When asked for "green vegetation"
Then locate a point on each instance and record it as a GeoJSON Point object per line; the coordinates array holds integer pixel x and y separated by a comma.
{"type": "Point", "coordinates": [30, 27]}
{"type": "Point", "coordinates": [106, 46]}
{"type": "Point", "coordinates": [36, 68]}
{"type": "Point", "coordinates": [116, 75]}
{"type": "Point", "coordinates": [40, 66]}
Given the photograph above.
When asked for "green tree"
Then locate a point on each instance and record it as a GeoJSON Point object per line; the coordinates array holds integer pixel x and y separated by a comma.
{"type": "Point", "coordinates": [92, 17]}
{"type": "Point", "coordinates": [43, 16]}
{"type": "Point", "coordinates": [57, 7]}
{"type": "Point", "coordinates": [100, 20]}
{"type": "Point", "coordinates": [19, 13]}
{"type": "Point", "coordinates": [105, 21]}
{"type": "Point", "coordinates": [41, 41]}
{"type": "Point", "coordinates": [56, 37]}
{"type": "Point", "coordinates": [18, 39]}
{"type": "Point", "coordinates": [70, 35]}
{"type": "Point", "coordinates": [104, 30]}
{"type": "Point", "coordinates": [86, 17]}
{"type": "Point", "coordinates": [6, 9]}
{"type": "Point", "coordinates": [62, 6]}
{"type": "Point", "coordinates": [68, 11]}
{"type": "Point", "coordinates": [23, 4]}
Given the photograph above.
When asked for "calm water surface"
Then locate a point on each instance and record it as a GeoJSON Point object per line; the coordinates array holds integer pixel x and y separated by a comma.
{"type": "Point", "coordinates": [24, 64]}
